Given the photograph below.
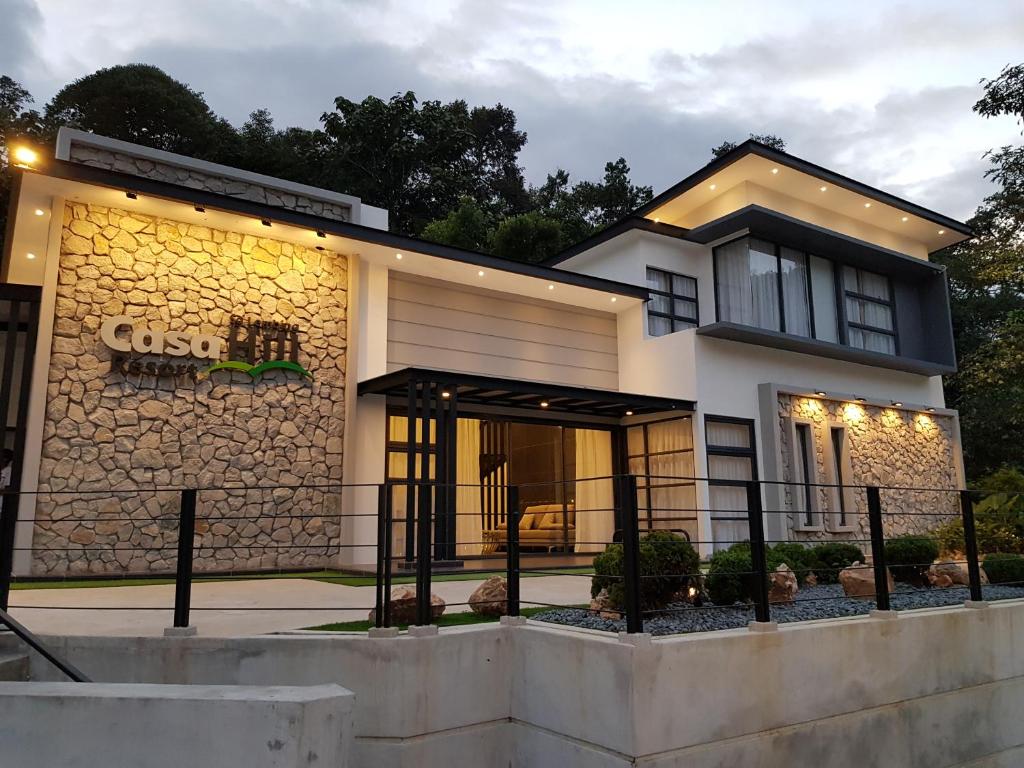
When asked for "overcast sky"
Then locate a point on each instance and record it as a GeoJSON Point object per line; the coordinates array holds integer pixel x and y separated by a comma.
{"type": "Point", "coordinates": [879, 90]}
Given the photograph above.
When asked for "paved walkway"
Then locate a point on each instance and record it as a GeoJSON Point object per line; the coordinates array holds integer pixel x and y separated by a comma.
{"type": "Point", "coordinates": [103, 610]}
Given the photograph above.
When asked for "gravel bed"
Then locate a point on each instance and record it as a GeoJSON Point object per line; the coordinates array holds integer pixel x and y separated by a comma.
{"type": "Point", "coordinates": [824, 601]}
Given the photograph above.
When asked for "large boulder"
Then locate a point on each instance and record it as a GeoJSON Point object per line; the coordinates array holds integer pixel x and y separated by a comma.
{"type": "Point", "coordinates": [403, 606]}
{"type": "Point", "coordinates": [954, 570]}
{"type": "Point", "coordinates": [782, 585]}
{"type": "Point", "coordinates": [859, 580]}
{"type": "Point", "coordinates": [490, 598]}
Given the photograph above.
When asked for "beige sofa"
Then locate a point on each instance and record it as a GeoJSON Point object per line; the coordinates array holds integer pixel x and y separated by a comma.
{"type": "Point", "coordinates": [540, 525]}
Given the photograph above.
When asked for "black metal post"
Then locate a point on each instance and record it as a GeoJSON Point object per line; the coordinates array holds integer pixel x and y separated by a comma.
{"type": "Point", "coordinates": [8, 525]}
{"type": "Point", "coordinates": [423, 550]}
{"type": "Point", "coordinates": [512, 551]}
{"type": "Point", "coordinates": [971, 546]}
{"type": "Point", "coordinates": [389, 532]}
{"type": "Point", "coordinates": [631, 554]}
{"type": "Point", "coordinates": [878, 547]}
{"type": "Point", "coordinates": [759, 565]}
{"type": "Point", "coordinates": [411, 450]}
{"type": "Point", "coordinates": [378, 612]}
{"type": "Point", "coordinates": [186, 543]}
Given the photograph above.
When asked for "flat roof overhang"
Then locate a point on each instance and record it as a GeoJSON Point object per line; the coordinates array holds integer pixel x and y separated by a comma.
{"type": "Point", "coordinates": [778, 227]}
{"type": "Point", "coordinates": [475, 389]}
{"type": "Point", "coordinates": [372, 237]}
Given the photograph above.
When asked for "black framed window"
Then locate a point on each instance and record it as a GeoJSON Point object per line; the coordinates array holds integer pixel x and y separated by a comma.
{"type": "Point", "coordinates": [838, 436]}
{"type": "Point", "coordinates": [870, 311]}
{"type": "Point", "coordinates": [660, 454]}
{"type": "Point", "coordinates": [673, 304]}
{"type": "Point", "coordinates": [732, 462]}
{"type": "Point", "coordinates": [804, 466]}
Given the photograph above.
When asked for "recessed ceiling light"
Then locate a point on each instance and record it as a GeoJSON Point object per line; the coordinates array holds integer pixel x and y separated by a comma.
{"type": "Point", "coordinates": [930, 410]}
{"type": "Point", "coordinates": [942, 231]}
{"type": "Point", "coordinates": [30, 256]}
{"type": "Point", "coordinates": [775, 170]}
{"type": "Point", "coordinates": [822, 188]}
{"type": "Point", "coordinates": [614, 299]}
{"type": "Point", "coordinates": [40, 211]}
{"type": "Point", "coordinates": [820, 393]}
{"type": "Point", "coordinates": [398, 256]}
{"type": "Point", "coordinates": [446, 393]}
{"type": "Point", "coordinates": [199, 209]}
{"type": "Point", "coordinates": [629, 413]}
{"type": "Point", "coordinates": [711, 186]}
{"type": "Point", "coordinates": [862, 399]}
{"type": "Point", "coordinates": [897, 403]}
{"type": "Point", "coordinates": [867, 205]}
{"type": "Point", "coordinates": [657, 221]}
{"type": "Point", "coordinates": [265, 222]}
{"type": "Point", "coordinates": [321, 234]}
{"type": "Point", "coordinates": [543, 403]}
{"type": "Point", "coordinates": [480, 273]}
{"type": "Point", "coordinates": [551, 286]}
{"type": "Point", "coordinates": [905, 218]}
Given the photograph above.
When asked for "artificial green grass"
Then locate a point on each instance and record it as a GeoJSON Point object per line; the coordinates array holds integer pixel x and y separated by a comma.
{"type": "Point", "coordinates": [446, 620]}
{"type": "Point", "coordinates": [330, 577]}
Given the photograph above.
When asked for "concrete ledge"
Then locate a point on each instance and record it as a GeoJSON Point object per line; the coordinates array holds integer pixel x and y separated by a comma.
{"type": "Point", "coordinates": [513, 621]}
{"type": "Point", "coordinates": [877, 614]}
{"type": "Point", "coordinates": [763, 626]}
{"type": "Point", "coordinates": [975, 603]}
{"type": "Point", "coordinates": [189, 631]}
{"type": "Point", "coordinates": [423, 630]}
{"type": "Point", "coordinates": [382, 632]}
{"type": "Point", "coordinates": [167, 726]}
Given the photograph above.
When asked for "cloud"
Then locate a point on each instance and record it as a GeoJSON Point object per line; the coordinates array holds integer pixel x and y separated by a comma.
{"type": "Point", "coordinates": [20, 21]}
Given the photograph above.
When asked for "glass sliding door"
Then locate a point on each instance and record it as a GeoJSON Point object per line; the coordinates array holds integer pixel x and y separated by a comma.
{"type": "Point", "coordinates": [660, 454]}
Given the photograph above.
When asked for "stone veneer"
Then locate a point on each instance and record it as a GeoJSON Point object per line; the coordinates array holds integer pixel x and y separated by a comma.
{"type": "Point", "coordinates": [111, 439]}
{"type": "Point", "coordinates": [888, 447]}
{"type": "Point", "coordinates": [190, 177]}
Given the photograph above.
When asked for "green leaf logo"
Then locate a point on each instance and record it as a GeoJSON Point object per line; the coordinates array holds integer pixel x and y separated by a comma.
{"type": "Point", "coordinates": [257, 371]}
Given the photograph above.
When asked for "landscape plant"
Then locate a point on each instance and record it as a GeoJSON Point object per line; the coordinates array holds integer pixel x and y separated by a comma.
{"type": "Point", "coordinates": [668, 565]}
{"type": "Point", "coordinates": [909, 557]}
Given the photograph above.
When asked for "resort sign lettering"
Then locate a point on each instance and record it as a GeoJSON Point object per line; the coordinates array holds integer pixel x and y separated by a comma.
{"type": "Point", "coordinates": [254, 347]}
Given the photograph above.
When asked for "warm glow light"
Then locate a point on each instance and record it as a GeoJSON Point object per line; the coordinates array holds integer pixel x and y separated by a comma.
{"type": "Point", "coordinates": [867, 205]}
{"type": "Point", "coordinates": [398, 256]}
{"type": "Point", "coordinates": [544, 404]}
{"type": "Point", "coordinates": [853, 412]}
{"type": "Point", "coordinates": [480, 273]}
{"type": "Point", "coordinates": [629, 413]}
{"type": "Point", "coordinates": [40, 211]}
{"type": "Point", "coordinates": [861, 399]}
{"type": "Point", "coordinates": [712, 186]}
{"type": "Point", "coordinates": [942, 231]}
{"type": "Point", "coordinates": [822, 188]}
{"type": "Point", "coordinates": [897, 403]}
{"type": "Point", "coordinates": [820, 393]}
{"type": "Point", "coordinates": [905, 218]}
{"type": "Point", "coordinates": [775, 170]}
{"type": "Point", "coordinates": [657, 221]}
{"type": "Point", "coordinates": [551, 286]}
{"type": "Point", "coordinates": [24, 156]}
{"type": "Point", "coordinates": [446, 394]}
{"type": "Point", "coordinates": [30, 256]}
{"type": "Point", "coordinates": [930, 410]}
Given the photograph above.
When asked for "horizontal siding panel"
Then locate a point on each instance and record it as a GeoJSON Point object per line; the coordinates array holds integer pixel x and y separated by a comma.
{"type": "Point", "coordinates": [495, 304]}
{"type": "Point", "coordinates": [475, 343]}
{"type": "Point", "coordinates": [470, 330]}
{"type": "Point", "coordinates": [500, 328]}
{"type": "Point", "coordinates": [405, 355]}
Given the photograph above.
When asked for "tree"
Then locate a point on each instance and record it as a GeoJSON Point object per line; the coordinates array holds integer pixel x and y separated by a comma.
{"type": "Point", "coordinates": [468, 226]}
{"type": "Point", "coordinates": [140, 103]}
{"type": "Point", "coordinates": [17, 121]}
{"type": "Point", "coordinates": [768, 139]}
{"type": "Point", "coordinates": [986, 279]}
{"type": "Point", "coordinates": [528, 237]}
{"type": "Point", "coordinates": [612, 199]}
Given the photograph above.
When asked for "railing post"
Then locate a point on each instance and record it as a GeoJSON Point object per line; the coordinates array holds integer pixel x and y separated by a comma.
{"type": "Point", "coordinates": [423, 551]}
{"type": "Point", "coordinates": [389, 532]}
{"type": "Point", "coordinates": [878, 547]}
{"type": "Point", "coordinates": [512, 550]}
{"type": "Point", "coordinates": [186, 543]}
{"type": "Point", "coordinates": [755, 522]}
{"type": "Point", "coordinates": [378, 612]}
{"type": "Point", "coordinates": [971, 546]}
{"type": "Point", "coordinates": [8, 524]}
{"type": "Point", "coordinates": [631, 555]}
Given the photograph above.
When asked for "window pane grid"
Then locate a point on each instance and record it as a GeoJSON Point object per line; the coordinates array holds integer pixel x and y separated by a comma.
{"type": "Point", "coordinates": [673, 304]}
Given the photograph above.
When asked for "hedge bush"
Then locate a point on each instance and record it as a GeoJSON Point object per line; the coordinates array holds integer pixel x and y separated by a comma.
{"type": "Point", "coordinates": [729, 577]}
{"type": "Point", "coordinates": [798, 557]}
{"type": "Point", "coordinates": [827, 560]}
{"type": "Point", "coordinates": [909, 557]}
{"type": "Point", "coordinates": [668, 558]}
{"type": "Point", "coordinates": [1004, 568]}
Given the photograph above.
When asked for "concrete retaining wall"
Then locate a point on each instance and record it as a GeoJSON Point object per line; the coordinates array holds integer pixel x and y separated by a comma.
{"type": "Point", "coordinates": [930, 688]}
{"type": "Point", "coordinates": [66, 725]}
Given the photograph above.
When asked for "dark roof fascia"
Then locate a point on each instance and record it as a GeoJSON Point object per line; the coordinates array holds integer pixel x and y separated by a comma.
{"type": "Point", "coordinates": [752, 218]}
{"type": "Point", "coordinates": [381, 385]}
{"type": "Point", "coordinates": [751, 147]}
{"type": "Point", "coordinates": [87, 174]}
{"type": "Point", "coordinates": [614, 230]}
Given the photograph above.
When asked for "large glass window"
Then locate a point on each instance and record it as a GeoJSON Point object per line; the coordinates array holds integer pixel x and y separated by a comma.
{"type": "Point", "coordinates": [732, 461]}
{"type": "Point", "coordinates": [673, 304]}
{"type": "Point", "coordinates": [869, 311]}
{"type": "Point", "coordinates": [660, 454]}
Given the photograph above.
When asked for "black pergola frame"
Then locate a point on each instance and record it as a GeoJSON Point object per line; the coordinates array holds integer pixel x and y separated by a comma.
{"type": "Point", "coordinates": [433, 395]}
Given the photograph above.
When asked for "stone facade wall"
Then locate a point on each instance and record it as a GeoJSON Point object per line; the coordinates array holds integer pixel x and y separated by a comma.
{"type": "Point", "coordinates": [911, 453]}
{"type": "Point", "coordinates": [189, 177]}
{"type": "Point", "coordinates": [113, 442]}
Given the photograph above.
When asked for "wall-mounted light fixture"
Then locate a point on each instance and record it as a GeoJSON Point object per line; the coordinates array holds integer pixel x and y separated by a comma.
{"type": "Point", "coordinates": [25, 157]}
{"type": "Point", "coordinates": [130, 195]}
{"type": "Point", "coordinates": [265, 222]}
{"type": "Point", "coordinates": [199, 209]}
{"type": "Point", "coordinates": [321, 233]}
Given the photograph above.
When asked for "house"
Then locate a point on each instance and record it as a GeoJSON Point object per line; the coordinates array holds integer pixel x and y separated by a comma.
{"type": "Point", "coordinates": [176, 323]}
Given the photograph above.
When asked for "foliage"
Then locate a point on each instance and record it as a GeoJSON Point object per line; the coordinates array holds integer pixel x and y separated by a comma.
{"type": "Point", "coordinates": [666, 564]}
{"type": "Point", "coordinates": [768, 139]}
{"type": "Point", "coordinates": [828, 559]}
{"type": "Point", "coordinates": [466, 227]}
{"type": "Point", "coordinates": [798, 557]}
{"type": "Point", "coordinates": [730, 576]}
{"type": "Point", "coordinates": [998, 518]}
{"type": "Point", "coordinates": [1004, 568]}
{"type": "Point", "coordinates": [527, 237]}
{"type": "Point", "coordinates": [910, 556]}
{"type": "Point", "coordinates": [17, 122]}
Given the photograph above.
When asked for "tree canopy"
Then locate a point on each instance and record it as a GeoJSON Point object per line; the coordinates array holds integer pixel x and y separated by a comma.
{"type": "Point", "coordinates": [768, 139]}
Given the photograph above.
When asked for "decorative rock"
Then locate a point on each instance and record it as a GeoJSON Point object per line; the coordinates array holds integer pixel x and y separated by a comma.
{"type": "Point", "coordinates": [811, 580]}
{"type": "Point", "coordinates": [403, 606]}
{"type": "Point", "coordinates": [490, 598]}
{"type": "Point", "coordinates": [782, 585]}
{"type": "Point", "coordinates": [859, 580]}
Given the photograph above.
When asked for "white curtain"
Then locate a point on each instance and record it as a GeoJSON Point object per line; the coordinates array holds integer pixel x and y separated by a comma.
{"type": "Point", "coordinates": [728, 502]}
{"type": "Point", "coordinates": [747, 272]}
{"type": "Point", "coordinates": [595, 500]}
{"type": "Point", "coordinates": [467, 498]}
{"type": "Point", "coordinates": [672, 490]}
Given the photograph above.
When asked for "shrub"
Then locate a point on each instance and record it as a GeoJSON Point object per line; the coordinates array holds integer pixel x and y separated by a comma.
{"type": "Point", "coordinates": [796, 556]}
{"type": "Point", "coordinates": [1004, 568]}
{"type": "Point", "coordinates": [668, 559]}
{"type": "Point", "coordinates": [827, 560]}
{"type": "Point", "coordinates": [909, 557]}
{"type": "Point", "coordinates": [729, 576]}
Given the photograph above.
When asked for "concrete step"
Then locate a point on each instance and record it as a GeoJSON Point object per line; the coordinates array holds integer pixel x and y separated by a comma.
{"type": "Point", "coordinates": [13, 667]}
